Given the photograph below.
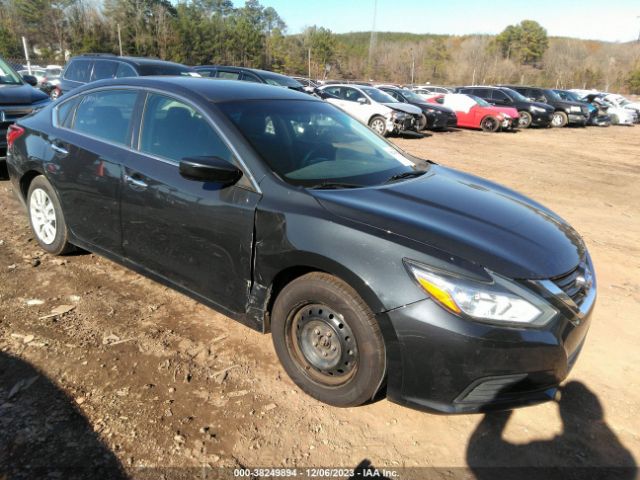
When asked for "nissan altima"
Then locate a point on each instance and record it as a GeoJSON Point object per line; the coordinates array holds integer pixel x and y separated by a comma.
{"type": "Point", "coordinates": [377, 273]}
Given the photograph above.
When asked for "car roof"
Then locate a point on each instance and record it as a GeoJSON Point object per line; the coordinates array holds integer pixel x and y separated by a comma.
{"type": "Point", "coordinates": [218, 91]}
{"type": "Point", "coordinates": [137, 61]}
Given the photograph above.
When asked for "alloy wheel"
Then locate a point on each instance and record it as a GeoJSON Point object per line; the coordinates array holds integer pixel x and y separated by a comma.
{"type": "Point", "coordinates": [43, 216]}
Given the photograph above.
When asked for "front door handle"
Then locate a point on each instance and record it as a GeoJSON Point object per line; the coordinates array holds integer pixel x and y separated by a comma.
{"type": "Point", "coordinates": [135, 183]}
{"type": "Point", "coordinates": [59, 149]}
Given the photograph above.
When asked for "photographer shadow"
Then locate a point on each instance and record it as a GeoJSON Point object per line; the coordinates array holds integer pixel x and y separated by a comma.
{"type": "Point", "coordinates": [587, 447]}
{"type": "Point", "coordinates": [43, 434]}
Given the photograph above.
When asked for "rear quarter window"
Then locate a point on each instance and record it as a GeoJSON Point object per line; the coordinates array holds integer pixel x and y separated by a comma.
{"type": "Point", "coordinates": [79, 70]}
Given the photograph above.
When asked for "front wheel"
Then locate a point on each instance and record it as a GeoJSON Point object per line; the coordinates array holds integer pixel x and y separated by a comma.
{"type": "Point", "coordinates": [46, 218]}
{"type": "Point", "coordinates": [490, 124]}
{"type": "Point", "coordinates": [328, 340]}
{"type": "Point", "coordinates": [379, 125]}
{"type": "Point", "coordinates": [525, 119]}
{"type": "Point", "coordinates": [559, 119]}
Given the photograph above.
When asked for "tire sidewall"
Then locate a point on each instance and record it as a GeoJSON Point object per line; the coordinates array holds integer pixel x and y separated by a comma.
{"type": "Point", "coordinates": [563, 116]}
{"type": "Point", "coordinates": [60, 243]}
{"type": "Point", "coordinates": [363, 385]}
{"type": "Point", "coordinates": [494, 128]}
{"type": "Point", "coordinates": [381, 119]}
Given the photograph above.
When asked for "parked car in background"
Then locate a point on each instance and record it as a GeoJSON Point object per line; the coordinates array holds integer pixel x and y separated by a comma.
{"type": "Point", "coordinates": [380, 111]}
{"type": "Point", "coordinates": [597, 112]}
{"type": "Point", "coordinates": [530, 114]}
{"type": "Point", "coordinates": [100, 66]}
{"type": "Point", "coordinates": [618, 115]}
{"type": "Point", "coordinates": [18, 98]}
{"type": "Point", "coordinates": [434, 89]}
{"type": "Point", "coordinates": [374, 271]}
{"type": "Point", "coordinates": [38, 72]}
{"type": "Point", "coordinates": [436, 117]}
{"type": "Point", "coordinates": [474, 112]}
{"type": "Point", "coordinates": [249, 75]}
{"type": "Point", "coordinates": [566, 112]}
{"type": "Point", "coordinates": [622, 102]}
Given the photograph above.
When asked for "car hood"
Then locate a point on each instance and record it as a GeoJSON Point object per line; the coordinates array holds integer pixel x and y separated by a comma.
{"type": "Point", "coordinates": [20, 95]}
{"type": "Point", "coordinates": [512, 112]}
{"type": "Point", "coordinates": [404, 107]}
{"type": "Point", "coordinates": [433, 106]}
{"type": "Point", "coordinates": [468, 217]}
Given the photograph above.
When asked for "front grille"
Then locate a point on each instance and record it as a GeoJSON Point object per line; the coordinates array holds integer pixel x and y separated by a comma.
{"type": "Point", "coordinates": [576, 284]}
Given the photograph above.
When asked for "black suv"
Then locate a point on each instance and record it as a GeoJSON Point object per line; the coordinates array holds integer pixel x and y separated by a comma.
{"type": "Point", "coordinates": [99, 66]}
{"type": "Point", "coordinates": [17, 99]}
{"type": "Point", "coordinates": [255, 75]}
{"type": "Point", "coordinates": [531, 113]}
{"type": "Point", "coordinates": [437, 117]}
{"type": "Point", "coordinates": [566, 112]}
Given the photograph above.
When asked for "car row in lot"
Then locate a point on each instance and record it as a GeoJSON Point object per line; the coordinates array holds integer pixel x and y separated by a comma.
{"type": "Point", "coordinates": [373, 270]}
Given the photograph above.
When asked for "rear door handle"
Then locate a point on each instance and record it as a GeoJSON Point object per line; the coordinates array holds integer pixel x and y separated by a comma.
{"type": "Point", "coordinates": [59, 149]}
{"type": "Point", "coordinates": [135, 183]}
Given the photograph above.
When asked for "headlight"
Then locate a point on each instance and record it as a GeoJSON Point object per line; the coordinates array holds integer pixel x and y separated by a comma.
{"type": "Point", "coordinates": [537, 109]}
{"type": "Point", "coordinates": [499, 300]}
{"type": "Point", "coordinates": [507, 116]}
{"type": "Point", "coordinates": [575, 108]}
{"type": "Point", "coordinates": [399, 115]}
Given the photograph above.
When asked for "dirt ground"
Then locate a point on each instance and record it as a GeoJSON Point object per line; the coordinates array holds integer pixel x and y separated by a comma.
{"type": "Point", "coordinates": [135, 377]}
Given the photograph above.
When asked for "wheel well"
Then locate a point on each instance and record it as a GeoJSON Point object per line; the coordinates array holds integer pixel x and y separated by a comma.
{"type": "Point", "coordinates": [25, 182]}
{"type": "Point", "coordinates": [374, 116]}
{"type": "Point", "coordinates": [283, 278]}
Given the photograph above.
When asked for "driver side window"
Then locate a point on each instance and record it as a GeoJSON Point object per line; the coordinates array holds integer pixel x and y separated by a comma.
{"type": "Point", "coordinates": [174, 130]}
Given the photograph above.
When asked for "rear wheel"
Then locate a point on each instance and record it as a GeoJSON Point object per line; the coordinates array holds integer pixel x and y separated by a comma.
{"type": "Point", "coordinates": [525, 119]}
{"type": "Point", "coordinates": [422, 123]}
{"type": "Point", "coordinates": [490, 124]}
{"type": "Point", "coordinates": [559, 119]}
{"type": "Point", "coordinates": [328, 340]}
{"type": "Point", "coordinates": [378, 124]}
{"type": "Point", "coordinates": [46, 218]}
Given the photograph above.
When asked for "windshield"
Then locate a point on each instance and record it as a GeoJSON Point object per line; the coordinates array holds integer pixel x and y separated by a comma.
{"type": "Point", "coordinates": [411, 96]}
{"type": "Point", "coordinates": [312, 143]}
{"type": "Point", "coordinates": [281, 80]}
{"type": "Point", "coordinates": [378, 95]}
{"type": "Point", "coordinates": [7, 75]}
{"type": "Point", "coordinates": [480, 101]}
{"type": "Point", "coordinates": [515, 95]}
{"type": "Point", "coordinates": [567, 95]}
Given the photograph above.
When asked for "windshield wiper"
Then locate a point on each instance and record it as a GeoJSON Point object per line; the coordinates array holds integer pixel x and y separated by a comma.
{"type": "Point", "coordinates": [333, 185]}
{"type": "Point", "coordinates": [403, 175]}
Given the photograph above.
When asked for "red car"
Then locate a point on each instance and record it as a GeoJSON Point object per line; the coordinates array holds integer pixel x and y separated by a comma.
{"type": "Point", "coordinates": [474, 112]}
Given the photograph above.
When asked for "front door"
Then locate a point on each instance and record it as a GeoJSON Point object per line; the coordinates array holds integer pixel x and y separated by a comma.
{"type": "Point", "coordinates": [198, 235]}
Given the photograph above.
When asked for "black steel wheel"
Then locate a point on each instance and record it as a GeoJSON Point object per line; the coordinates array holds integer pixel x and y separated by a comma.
{"type": "Point", "coordinates": [328, 340]}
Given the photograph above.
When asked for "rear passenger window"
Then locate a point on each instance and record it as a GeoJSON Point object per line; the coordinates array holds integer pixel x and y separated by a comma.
{"type": "Point", "coordinates": [207, 73]}
{"type": "Point", "coordinates": [248, 77]}
{"type": "Point", "coordinates": [79, 70]}
{"type": "Point", "coordinates": [498, 95]}
{"type": "Point", "coordinates": [103, 69]}
{"type": "Point", "coordinates": [174, 130]}
{"type": "Point", "coordinates": [125, 70]}
{"type": "Point", "coordinates": [106, 115]}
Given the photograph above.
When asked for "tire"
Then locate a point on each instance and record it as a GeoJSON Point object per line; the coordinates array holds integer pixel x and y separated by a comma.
{"type": "Point", "coordinates": [490, 124]}
{"type": "Point", "coordinates": [559, 119]}
{"type": "Point", "coordinates": [328, 340]}
{"type": "Point", "coordinates": [54, 94]}
{"type": "Point", "coordinates": [422, 124]}
{"type": "Point", "coordinates": [46, 217]}
{"type": "Point", "coordinates": [379, 125]}
{"type": "Point", "coordinates": [614, 119]}
{"type": "Point", "coordinates": [525, 119]}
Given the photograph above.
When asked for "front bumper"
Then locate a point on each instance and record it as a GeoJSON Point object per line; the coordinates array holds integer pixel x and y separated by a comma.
{"type": "Point", "coordinates": [577, 119]}
{"type": "Point", "coordinates": [541, 119]}
{"type": "Point", "coordinates": [441, 121]}
{"type": "Point", "coordinates": [448, 364]}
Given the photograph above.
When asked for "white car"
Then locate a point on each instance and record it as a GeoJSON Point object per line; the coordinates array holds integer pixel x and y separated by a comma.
{"type": "Point", "coordinates": [379, 110]}
{"type": "Point", "coordinates": [622, 102]}
{"type": "Point", "coordinates": [619, 115]}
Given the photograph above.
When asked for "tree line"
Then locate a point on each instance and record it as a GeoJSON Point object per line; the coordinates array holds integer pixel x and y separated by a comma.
{"type": "Point", "coordinates": [196, 32]}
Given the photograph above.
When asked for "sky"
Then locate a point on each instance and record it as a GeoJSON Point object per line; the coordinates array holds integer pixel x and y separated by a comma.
{"type": "Point", "coordinates": [611, 20]}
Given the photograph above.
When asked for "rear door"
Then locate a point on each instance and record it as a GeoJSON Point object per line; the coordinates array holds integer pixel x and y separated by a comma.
{"type": "Point", "coordinates": [92, 138]}
{"type": "Point", "coordinates": [198, 235]}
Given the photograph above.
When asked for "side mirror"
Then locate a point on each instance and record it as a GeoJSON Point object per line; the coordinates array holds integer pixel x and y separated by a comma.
{"type": "Point", "coordinates": [209, 169]}
{"type": "Point", "coordinates": [362, 101]}
{"type": "Point", "coordinates": [30, 79]}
